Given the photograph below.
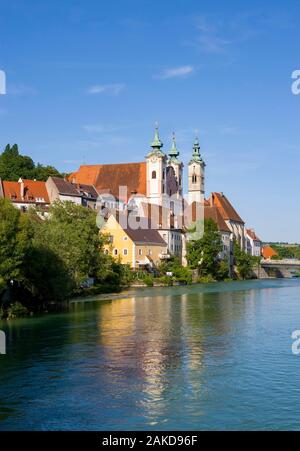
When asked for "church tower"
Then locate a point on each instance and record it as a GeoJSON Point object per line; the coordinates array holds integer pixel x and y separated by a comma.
{"type": "Point", "coordinates": [175, 163]}
{"type": "Point", "coordinates": [196, 176]}
{"type": "Point", "coordinates": [156, 162]}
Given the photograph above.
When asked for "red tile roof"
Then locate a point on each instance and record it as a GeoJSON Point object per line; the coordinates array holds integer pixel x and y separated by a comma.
{"type": "Point", "coordinates": [214, 214]}
{"type": "Point", "coordinates": [208, 212]}
{"type": "Point", "coordinates": [268, 252]}
{"type": "Point", "coordinates": [226, 209]}
{"type": "Point", "coordinates": [33, 191]}
{"type": "Point", "coordinates": [252, 234]}
{"type": "Point", "coordinates": [109, 177]}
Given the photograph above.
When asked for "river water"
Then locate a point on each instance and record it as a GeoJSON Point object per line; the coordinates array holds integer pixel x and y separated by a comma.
{"type": "Point", "coordinates": [202, 357]}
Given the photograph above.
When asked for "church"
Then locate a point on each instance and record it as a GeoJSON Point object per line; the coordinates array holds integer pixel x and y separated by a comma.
{"type": "Point", "coordinates": [153, 189]}
{"type": "Point", "coordinates": [159, 178]}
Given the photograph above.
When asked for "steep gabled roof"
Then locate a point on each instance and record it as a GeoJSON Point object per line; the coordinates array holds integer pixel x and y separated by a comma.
{"type": "Point", "coordinates": [65, 187]}
{"type": "Point", "coordinates": [34, 191]}
{"type": "Point", "coordinates": [268, 252]}
{"type": "Point", "coordinates": [214, 214]}
{"type": "Point", "coordinates": [109, 177]}
{"type": "Point", "coordinates": [252, 234]}
{"type": "Point", "coordinates": [88, 191]}
{"type": "Point", "coordinates": [226, 209]}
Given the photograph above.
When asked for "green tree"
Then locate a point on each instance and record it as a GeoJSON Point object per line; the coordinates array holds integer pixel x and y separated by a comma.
{"type": "Point", "coordinates": [243, 261]}
{"type": "Point", "coordinates": [72, 234]}
{"type": "Point", "coordinates": [13, 166]}
{"type": "Point", "coordinates": [204, 253]}
{"type": "Point", "coordinates": [173, 265]}
{"type": "Point", "coordinates": [15, 238]}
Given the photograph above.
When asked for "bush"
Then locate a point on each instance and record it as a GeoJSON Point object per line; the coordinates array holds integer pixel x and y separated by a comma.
{"type": "Point", "coordinates": [206, 279]}
{"type": "Point", "coordinates": [16, 310]}
{"type": "Point", "coordinates": [183, 275]}
{"type": "Point", "coordinates": [148, 280]}
{"type": "Point", "coordinates": [164, 280]}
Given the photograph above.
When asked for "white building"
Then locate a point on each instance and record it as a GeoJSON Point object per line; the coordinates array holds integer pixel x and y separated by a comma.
{"type": "Point", "coordinates": [253, 243]}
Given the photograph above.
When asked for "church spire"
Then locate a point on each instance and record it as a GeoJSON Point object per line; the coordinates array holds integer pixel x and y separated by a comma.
{"type": "Point", "coordinates": [174, 152]}
{"type": "Point", "coordinates": [156, 144]}
{"type": "Point", "coordinates": [196, 157]}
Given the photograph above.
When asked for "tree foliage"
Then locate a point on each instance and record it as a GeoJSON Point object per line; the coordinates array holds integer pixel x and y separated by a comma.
{"type": "Point", "coordinates": [13, 165]}
{"type": "Point", "coordinates": [204, 253]}
{"type": "Point", "coordinates": [48, 260]}
{"type": "Point", "coordinates": [243, 261]}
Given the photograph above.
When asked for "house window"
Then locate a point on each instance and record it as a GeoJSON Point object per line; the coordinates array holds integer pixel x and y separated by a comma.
{"type": "Point", "coordinates": [125, 238]}
{"type": "Point", "coordinates": [115, 251]}
{"type": "Point", "coordinates": [149, 252]}
{"type": "Point", "coordinates": [140, 252]}
{"type": "Point", "coordinates": [194, 178]}
{"type": "Point", "coordinates": [125, 251]}
{"type": "Point", "coordinates": [154, 174]}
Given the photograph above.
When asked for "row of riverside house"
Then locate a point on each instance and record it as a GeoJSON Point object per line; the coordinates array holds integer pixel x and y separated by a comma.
{"type": "Point", "coordinates": [151, 190]}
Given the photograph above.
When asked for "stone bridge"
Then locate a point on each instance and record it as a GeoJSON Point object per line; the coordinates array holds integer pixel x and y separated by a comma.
{"type": "Point", "coordinates": [287, 268]}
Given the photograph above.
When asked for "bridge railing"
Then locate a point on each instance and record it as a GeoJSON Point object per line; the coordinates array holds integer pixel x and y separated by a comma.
{"type": "Point", "coordinates": [285, 261]}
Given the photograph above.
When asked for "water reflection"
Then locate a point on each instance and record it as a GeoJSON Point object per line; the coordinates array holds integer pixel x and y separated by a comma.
{"type": "Point", "coordinates": [169, 359]}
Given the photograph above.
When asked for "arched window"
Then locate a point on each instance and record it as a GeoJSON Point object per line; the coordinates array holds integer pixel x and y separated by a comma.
{"type": "Point", "coordinates": [154, 174]}
{"type": "Point", "coordinates": [194, 178]}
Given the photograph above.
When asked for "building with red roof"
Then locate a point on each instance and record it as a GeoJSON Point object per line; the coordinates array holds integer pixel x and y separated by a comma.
{"type": "Point", "coordinates": [268, 252]}
{"type": "Point", "coordinates": [25, 193]}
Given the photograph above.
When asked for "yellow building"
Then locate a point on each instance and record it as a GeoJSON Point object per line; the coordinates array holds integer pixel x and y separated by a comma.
{"type": "Point", "coordinates": [138, 247]}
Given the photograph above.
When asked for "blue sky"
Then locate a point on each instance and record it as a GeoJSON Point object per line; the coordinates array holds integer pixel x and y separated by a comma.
{"type": "Point", "coordinates": [86, 81]}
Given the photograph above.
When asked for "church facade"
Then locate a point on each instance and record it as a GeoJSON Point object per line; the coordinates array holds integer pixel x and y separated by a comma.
{"type": "Point", "coordinates": [154, 189]}
{"type": "Point", "coordinates": [158, 179]}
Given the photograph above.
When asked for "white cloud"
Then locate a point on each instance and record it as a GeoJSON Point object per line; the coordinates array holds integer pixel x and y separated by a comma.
{"type": "Point", "coordinates": [176, 72]}
{"type": "Point", "coordinates": [112, 89]}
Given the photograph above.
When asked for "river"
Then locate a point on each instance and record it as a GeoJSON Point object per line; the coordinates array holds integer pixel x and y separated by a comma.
{"type": "Point", "coordinates": [201, 357]}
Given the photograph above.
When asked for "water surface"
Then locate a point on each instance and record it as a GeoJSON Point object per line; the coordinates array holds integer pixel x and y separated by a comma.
{"type": "Point", "coordinates": [200, 357]}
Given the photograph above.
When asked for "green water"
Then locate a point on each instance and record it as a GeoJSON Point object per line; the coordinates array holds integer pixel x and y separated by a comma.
{"type": "Point", "coordinates": [213, 357]}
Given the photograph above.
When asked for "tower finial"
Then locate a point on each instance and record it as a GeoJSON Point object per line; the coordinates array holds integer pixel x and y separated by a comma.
{"type": "Point", "coordinates": [174, 152]}
{"type": "Point", "coordinates": [156, 144]}
{"type": "Point", "coordinates": [196, 157]}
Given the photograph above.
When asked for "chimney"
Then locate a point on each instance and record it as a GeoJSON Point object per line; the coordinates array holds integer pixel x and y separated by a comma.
{"type": "Point", "coordinates": [22, 188]}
